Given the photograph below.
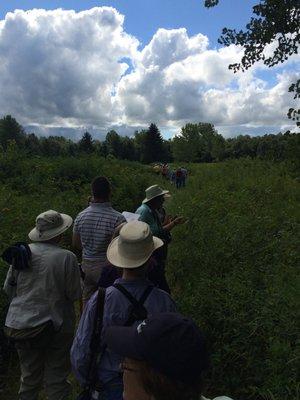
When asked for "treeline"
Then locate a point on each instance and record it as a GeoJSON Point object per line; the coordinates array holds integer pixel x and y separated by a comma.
{"type": "Point", "coordinates": [196, 143]}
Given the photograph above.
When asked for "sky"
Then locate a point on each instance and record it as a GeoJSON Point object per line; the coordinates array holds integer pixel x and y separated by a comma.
{"type": "Point", "coordinates": [71, 66]}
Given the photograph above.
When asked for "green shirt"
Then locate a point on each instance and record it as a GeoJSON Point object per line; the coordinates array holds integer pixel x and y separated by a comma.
{"type": "Point", "coordinates": [152, 219]}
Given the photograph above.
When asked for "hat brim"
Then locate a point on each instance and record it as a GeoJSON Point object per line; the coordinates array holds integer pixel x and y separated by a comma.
{"type": "Point", "coordinates": [117, 260]}
{"type": "Point", "coordinates": [163, 193]}
{"type": "Point", "coordinates": [36, 236]}
{"type": "Point", "coordinates": [123, 341]}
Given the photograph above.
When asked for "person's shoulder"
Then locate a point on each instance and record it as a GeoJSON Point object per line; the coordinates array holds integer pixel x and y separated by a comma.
{"type": "Point", "coordinates": [115, 212]}
{"type": "Point", "coordinates": [161, 293]}
{"type": "Point", "coordinates": [143, 209]}
{"type": "Point", "coordinates": [82, 213]}
{"type": "Point", "coordinates": [68, 254]}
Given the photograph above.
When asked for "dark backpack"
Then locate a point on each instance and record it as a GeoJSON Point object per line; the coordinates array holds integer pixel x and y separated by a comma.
{"type": "Point", "coordinates": [137, 310]}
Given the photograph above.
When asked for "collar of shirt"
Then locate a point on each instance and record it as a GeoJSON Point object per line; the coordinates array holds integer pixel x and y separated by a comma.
{"type": "Point", "coordinates": [133, 282]}
{"type": "Point", "coordinates": [105, 204]}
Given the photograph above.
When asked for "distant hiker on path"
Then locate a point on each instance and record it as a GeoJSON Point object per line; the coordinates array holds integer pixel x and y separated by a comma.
{"type": "Point", "coordinates": [153, 202]}
{"type": "Point", "coordinates": [131, 251]}
{"type": "Point", "coordinates": [93, 230]}
{"type": "Point", "coordinates": [179, 175]}
{"type": "Point", "coordinates": [41, 315]}
{"type": "Point", "coordinates": [184, 176]}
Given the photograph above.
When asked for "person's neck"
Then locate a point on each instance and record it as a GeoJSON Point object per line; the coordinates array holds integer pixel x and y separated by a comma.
{"type": "Point", "coordinates": [100, 200]}
{"type": "Point", "coordinates": [131, 275]}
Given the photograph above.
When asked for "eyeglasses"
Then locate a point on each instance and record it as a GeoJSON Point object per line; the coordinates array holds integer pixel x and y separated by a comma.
{"type": "Point", "coordinates": [126, 367]}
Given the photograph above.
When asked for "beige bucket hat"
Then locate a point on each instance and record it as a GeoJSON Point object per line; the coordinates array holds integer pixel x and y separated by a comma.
{"type": "Point", "coordinates": [134, 246]}
{"type": "Point", "coordinates": [155, 191]}
{"type": "Point", "coordinates": [48, 225]}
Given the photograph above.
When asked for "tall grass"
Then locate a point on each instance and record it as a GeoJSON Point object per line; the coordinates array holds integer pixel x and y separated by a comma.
{"type": "Point", "coordinates": [232, 266]}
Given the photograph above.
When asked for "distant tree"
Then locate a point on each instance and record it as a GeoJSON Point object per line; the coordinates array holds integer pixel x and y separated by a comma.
{"type": "Point", "coordinates": [140, 144]}
{"type": "Point", "coordinates": [276, 22]}
{"type": "Point", "coordinates": [51, 146]}
{"type": "Point", "coordinates": [153, 149]}
{"type": "Point", "coordinates": [113, 143]}
{"type": "Point", "coordinates": [128, 149]}
{"type": "Point", "coordinates": [86, 143]}
{"type": "Point", "coordinates": [32, 144]}
{"type": "Point", "coordinates": [198, 143]}
{"type": "Point", "coordinates": [10, 130]}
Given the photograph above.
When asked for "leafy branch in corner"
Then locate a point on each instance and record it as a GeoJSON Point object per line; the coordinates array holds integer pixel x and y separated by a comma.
{"type": "Point", "coordinates": [275, 22]}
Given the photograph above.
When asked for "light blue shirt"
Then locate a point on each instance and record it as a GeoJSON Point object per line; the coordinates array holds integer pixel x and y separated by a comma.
{"type": "Point", "coordinates": [116, 312]}
{"type": "Point", "coordinates": [152, 219]}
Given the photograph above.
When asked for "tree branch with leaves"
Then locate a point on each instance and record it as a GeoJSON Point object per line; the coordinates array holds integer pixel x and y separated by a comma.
{"type": "Point", "coordinates": [275, 22]}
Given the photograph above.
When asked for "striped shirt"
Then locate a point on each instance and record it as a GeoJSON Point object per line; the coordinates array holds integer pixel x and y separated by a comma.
{"type": "Point", "coordinates": [95, 226]}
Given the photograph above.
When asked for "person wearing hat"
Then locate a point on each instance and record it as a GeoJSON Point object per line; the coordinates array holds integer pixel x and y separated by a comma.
{"type": "Point", "coordinates": [131, 252]}
{"type": "Point", "coordinates": [164, 357]}
{"type": "Point", "coordinates": [149, 213]}
{"type": "Point", "coordinates": [42, 310]}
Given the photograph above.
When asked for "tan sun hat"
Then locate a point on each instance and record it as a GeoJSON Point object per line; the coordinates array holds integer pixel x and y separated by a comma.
{"type": "Point", "coordinates": [134, 246]}
{"type": "Point", "coordinates": [155, 191]}
{"type": "Point", "coordinates": [48, 225]}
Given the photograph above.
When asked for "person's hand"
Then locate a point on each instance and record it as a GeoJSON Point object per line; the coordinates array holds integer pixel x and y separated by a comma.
{"type": "Point", "coordinates": [178, 220]}
{"type": "Point", "coordinates": [168, 219]}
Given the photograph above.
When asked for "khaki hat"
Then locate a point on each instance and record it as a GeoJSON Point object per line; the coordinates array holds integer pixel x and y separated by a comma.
{"type": "Point", "coordinates": [155, 191]}
{"type": "Point", "coordinates": [134, 246]}
{"type": "Point", "coordinates": [48, 225]}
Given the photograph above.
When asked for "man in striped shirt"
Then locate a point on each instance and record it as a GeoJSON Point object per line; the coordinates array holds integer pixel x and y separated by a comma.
{"type": "Point", "coordinates": [93, 231]}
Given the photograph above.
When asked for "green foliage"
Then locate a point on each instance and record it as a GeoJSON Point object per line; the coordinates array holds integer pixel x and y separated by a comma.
{"type": "Point", "coordinates": [232, 267]}
{"type": "Point", "coordinates": [198, 143]}
{"type": "Point", "coordinates": [275, 22]}
{"type": "Point", "coordinates": [10, 130]}
{"type": "Point", "coordinates": [86, 143]}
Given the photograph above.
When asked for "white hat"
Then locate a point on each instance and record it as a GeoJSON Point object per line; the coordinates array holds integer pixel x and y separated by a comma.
{"type": "Point", "coordinates": [48, 225]}
{"type": "Point", "coordinates": [134, 246]}
{"type": "Point", "coordinates": [154, 191]}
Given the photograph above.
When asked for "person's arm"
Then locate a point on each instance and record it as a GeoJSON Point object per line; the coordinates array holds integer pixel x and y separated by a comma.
{"type": "Point", "coordinates": [9, 286]}
{"type": "Point", "coordinates": [76, 241]}
{"type": "Point", "coordinates": [73, 285]}
{"type": "Point", "coordinates": [173, 223]}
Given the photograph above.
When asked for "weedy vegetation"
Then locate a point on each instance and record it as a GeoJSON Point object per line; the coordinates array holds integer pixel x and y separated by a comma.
{"type": "Point", "coordinates": [232, 266]}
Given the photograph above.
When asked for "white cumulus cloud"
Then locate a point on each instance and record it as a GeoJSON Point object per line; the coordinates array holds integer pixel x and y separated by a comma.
{"type": "Point", "coordinates": [81, 70]}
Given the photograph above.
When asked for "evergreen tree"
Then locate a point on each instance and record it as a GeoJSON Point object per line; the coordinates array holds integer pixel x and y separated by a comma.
{"type": "Point", "coordinates": [11, 130]}
{"type": "Point", "coordinates": [32, 144]}
{"type": "Point", "coordinates": [113, 143]}
{"type": "Point", "coordinates": [153, 146]}
{"type": "Point", "coordinates": [86, 144]}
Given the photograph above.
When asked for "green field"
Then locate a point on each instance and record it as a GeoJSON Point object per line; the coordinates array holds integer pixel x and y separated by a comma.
{"type": "Point", "coordinates": [232, 267]}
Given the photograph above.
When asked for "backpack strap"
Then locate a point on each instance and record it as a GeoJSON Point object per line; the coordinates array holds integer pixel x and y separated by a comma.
{"type": "Point", "coordinates": [96, 348]}
{"type": "Point", "coordinates": [146, 293]}
{"type": "Point", "coordinates": [133, 300]}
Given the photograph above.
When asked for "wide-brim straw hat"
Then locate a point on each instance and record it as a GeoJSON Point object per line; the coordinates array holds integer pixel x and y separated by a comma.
{"type": "Point", "coordinates": [48, 225]}
{"type": "Point", "coordinates": [155, 191]}
{"type": "Point", "coordinates": [134, 246]}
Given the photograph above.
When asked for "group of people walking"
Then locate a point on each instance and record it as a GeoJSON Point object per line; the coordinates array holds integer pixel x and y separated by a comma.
{"type": "Point", "coordinates": [177, 176]}
{"type": "Point", "coordinates": [131, 343]}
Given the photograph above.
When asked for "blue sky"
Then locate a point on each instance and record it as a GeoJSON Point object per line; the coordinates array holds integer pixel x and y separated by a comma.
{"type": "Point", "coordinates": [144, 17]}
{"type": "Point", "coordinates": [90, 69]}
